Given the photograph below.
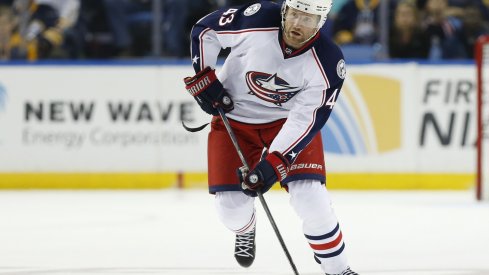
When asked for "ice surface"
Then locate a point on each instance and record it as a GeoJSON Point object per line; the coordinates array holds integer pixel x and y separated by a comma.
{"type": "Point", "coordinates": [178, 232]}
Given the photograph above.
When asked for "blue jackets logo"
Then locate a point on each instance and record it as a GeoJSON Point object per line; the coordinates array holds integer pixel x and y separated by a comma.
{"type": "Point", "coordinates": [270, 88]}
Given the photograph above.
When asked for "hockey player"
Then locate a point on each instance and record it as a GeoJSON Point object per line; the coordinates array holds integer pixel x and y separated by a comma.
{"type": "Point", "coordinates": [278, 86]}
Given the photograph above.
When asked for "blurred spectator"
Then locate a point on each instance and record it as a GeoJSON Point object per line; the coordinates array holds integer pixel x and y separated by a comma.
{"type": "Point", "coordinates": [118, 24]}
{"type": "Point", "coordinates": [357, 22]}
{"type": "Point", "coordinates": [104, 28]}
{"type": "Point", "coordinates": [444, 30]}
{"type": "Point", "coordinates": [177, 17]}
{"type": "Point", "coordinates": [457, 7]}
{"type": "Point", "coordinates": [41, 27]}
{"type": "Point", "coordinates": [7, 23]}
{"type": "Point", "coordinates": [474, 26]}
{"type": "Point", "coordinates": [33, 29]}
{"type": "Point", "coordinates": [335, 9]}
{"type": "Point", "coordinates": [407, 39]}
{"type": "Point", "coordinates": [483, 6]}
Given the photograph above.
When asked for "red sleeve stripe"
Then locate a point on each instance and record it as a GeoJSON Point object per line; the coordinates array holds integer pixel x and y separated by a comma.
{"type": "Point", "coordinates": [328, 245]}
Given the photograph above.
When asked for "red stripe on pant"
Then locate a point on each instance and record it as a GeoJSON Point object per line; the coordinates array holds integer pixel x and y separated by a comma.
{"type": "Point", "coordinates": [329, 245]}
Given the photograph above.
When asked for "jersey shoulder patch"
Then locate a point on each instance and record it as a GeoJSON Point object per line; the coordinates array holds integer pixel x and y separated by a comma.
{"type": "Point", "coordinates": [254, 8]}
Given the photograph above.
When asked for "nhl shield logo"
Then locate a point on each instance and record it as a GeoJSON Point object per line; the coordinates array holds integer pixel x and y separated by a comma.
{"type": "Point", "coordinates": [270, 88]}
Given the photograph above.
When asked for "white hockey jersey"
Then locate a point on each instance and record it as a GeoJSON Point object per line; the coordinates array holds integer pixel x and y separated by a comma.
{"type": "Point", "coordinates": [267, 80]}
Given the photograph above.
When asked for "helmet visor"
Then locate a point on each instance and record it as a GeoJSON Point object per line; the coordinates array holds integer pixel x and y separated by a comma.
{"type": "Point", "coordinates": [296, 17]}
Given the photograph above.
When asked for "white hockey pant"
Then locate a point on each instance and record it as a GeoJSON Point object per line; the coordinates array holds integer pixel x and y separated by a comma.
{"type": "Point", "coordinates": [312, 203]}
{"type": "Point", "coordinates": [236, 211]}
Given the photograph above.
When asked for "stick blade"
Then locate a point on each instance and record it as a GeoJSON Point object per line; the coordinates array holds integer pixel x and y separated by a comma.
{"type": "Point", "coordinates": [196, 129]}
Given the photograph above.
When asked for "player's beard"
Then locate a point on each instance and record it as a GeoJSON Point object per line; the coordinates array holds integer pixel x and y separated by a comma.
{"type": "Point", "coordinates": [294, 38]}
{"type": "Point", "coordinates": [297, 37]}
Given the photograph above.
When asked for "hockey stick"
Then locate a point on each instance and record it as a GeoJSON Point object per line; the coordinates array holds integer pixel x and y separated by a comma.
{"type": "Point", "coordinates": [260, 195]}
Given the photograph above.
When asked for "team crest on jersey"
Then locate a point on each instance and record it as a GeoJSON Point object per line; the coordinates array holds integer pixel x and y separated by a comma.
{"type": "Point", "coordinates": [341, 69]}
{"type": "Point", "coordinates": [270, 88]}
{"type": "Point", "coordinates": [252, 9]}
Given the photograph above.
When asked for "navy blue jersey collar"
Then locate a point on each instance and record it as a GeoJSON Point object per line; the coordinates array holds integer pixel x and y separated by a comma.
{"type": "Point", "coordinates": [289, 52]}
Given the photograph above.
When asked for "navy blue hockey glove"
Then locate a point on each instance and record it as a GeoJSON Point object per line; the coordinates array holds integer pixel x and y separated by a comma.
{"type": "Point", "coordinates": [208, 91]}
{"type": "Point", "coordinates": [266, 173]}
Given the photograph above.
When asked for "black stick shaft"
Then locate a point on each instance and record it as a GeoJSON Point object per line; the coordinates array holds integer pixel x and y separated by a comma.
{"type": "Point", "coordinates": [260, 195]}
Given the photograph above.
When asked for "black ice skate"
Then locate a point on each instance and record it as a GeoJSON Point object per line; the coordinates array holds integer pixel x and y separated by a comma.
{"type": "Point", "coordinates": [244, 249]}
{"type": "Point", "coordinates": [347, 271]}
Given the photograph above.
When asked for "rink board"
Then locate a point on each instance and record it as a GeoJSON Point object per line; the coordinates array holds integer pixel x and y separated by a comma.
{"type": "Point", "coordinates": [345, 181]}
{"type": "Point", "coordinates": [395, 126]}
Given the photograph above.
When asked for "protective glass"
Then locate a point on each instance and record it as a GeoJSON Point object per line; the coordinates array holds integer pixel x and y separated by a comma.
{"type": "Point", "coordinates": [298, 18]}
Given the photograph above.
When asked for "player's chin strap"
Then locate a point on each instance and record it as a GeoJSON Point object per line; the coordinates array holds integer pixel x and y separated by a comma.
{"type": "Point", "coordinates": [196, 129]}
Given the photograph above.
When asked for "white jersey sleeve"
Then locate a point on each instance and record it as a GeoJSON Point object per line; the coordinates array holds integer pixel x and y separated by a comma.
{"type": "Point", "coordinates": [218, 30]}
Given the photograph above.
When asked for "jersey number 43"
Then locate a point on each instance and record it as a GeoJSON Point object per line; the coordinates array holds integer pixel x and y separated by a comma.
{"type": "Point", "coordinates": [227, 17]}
